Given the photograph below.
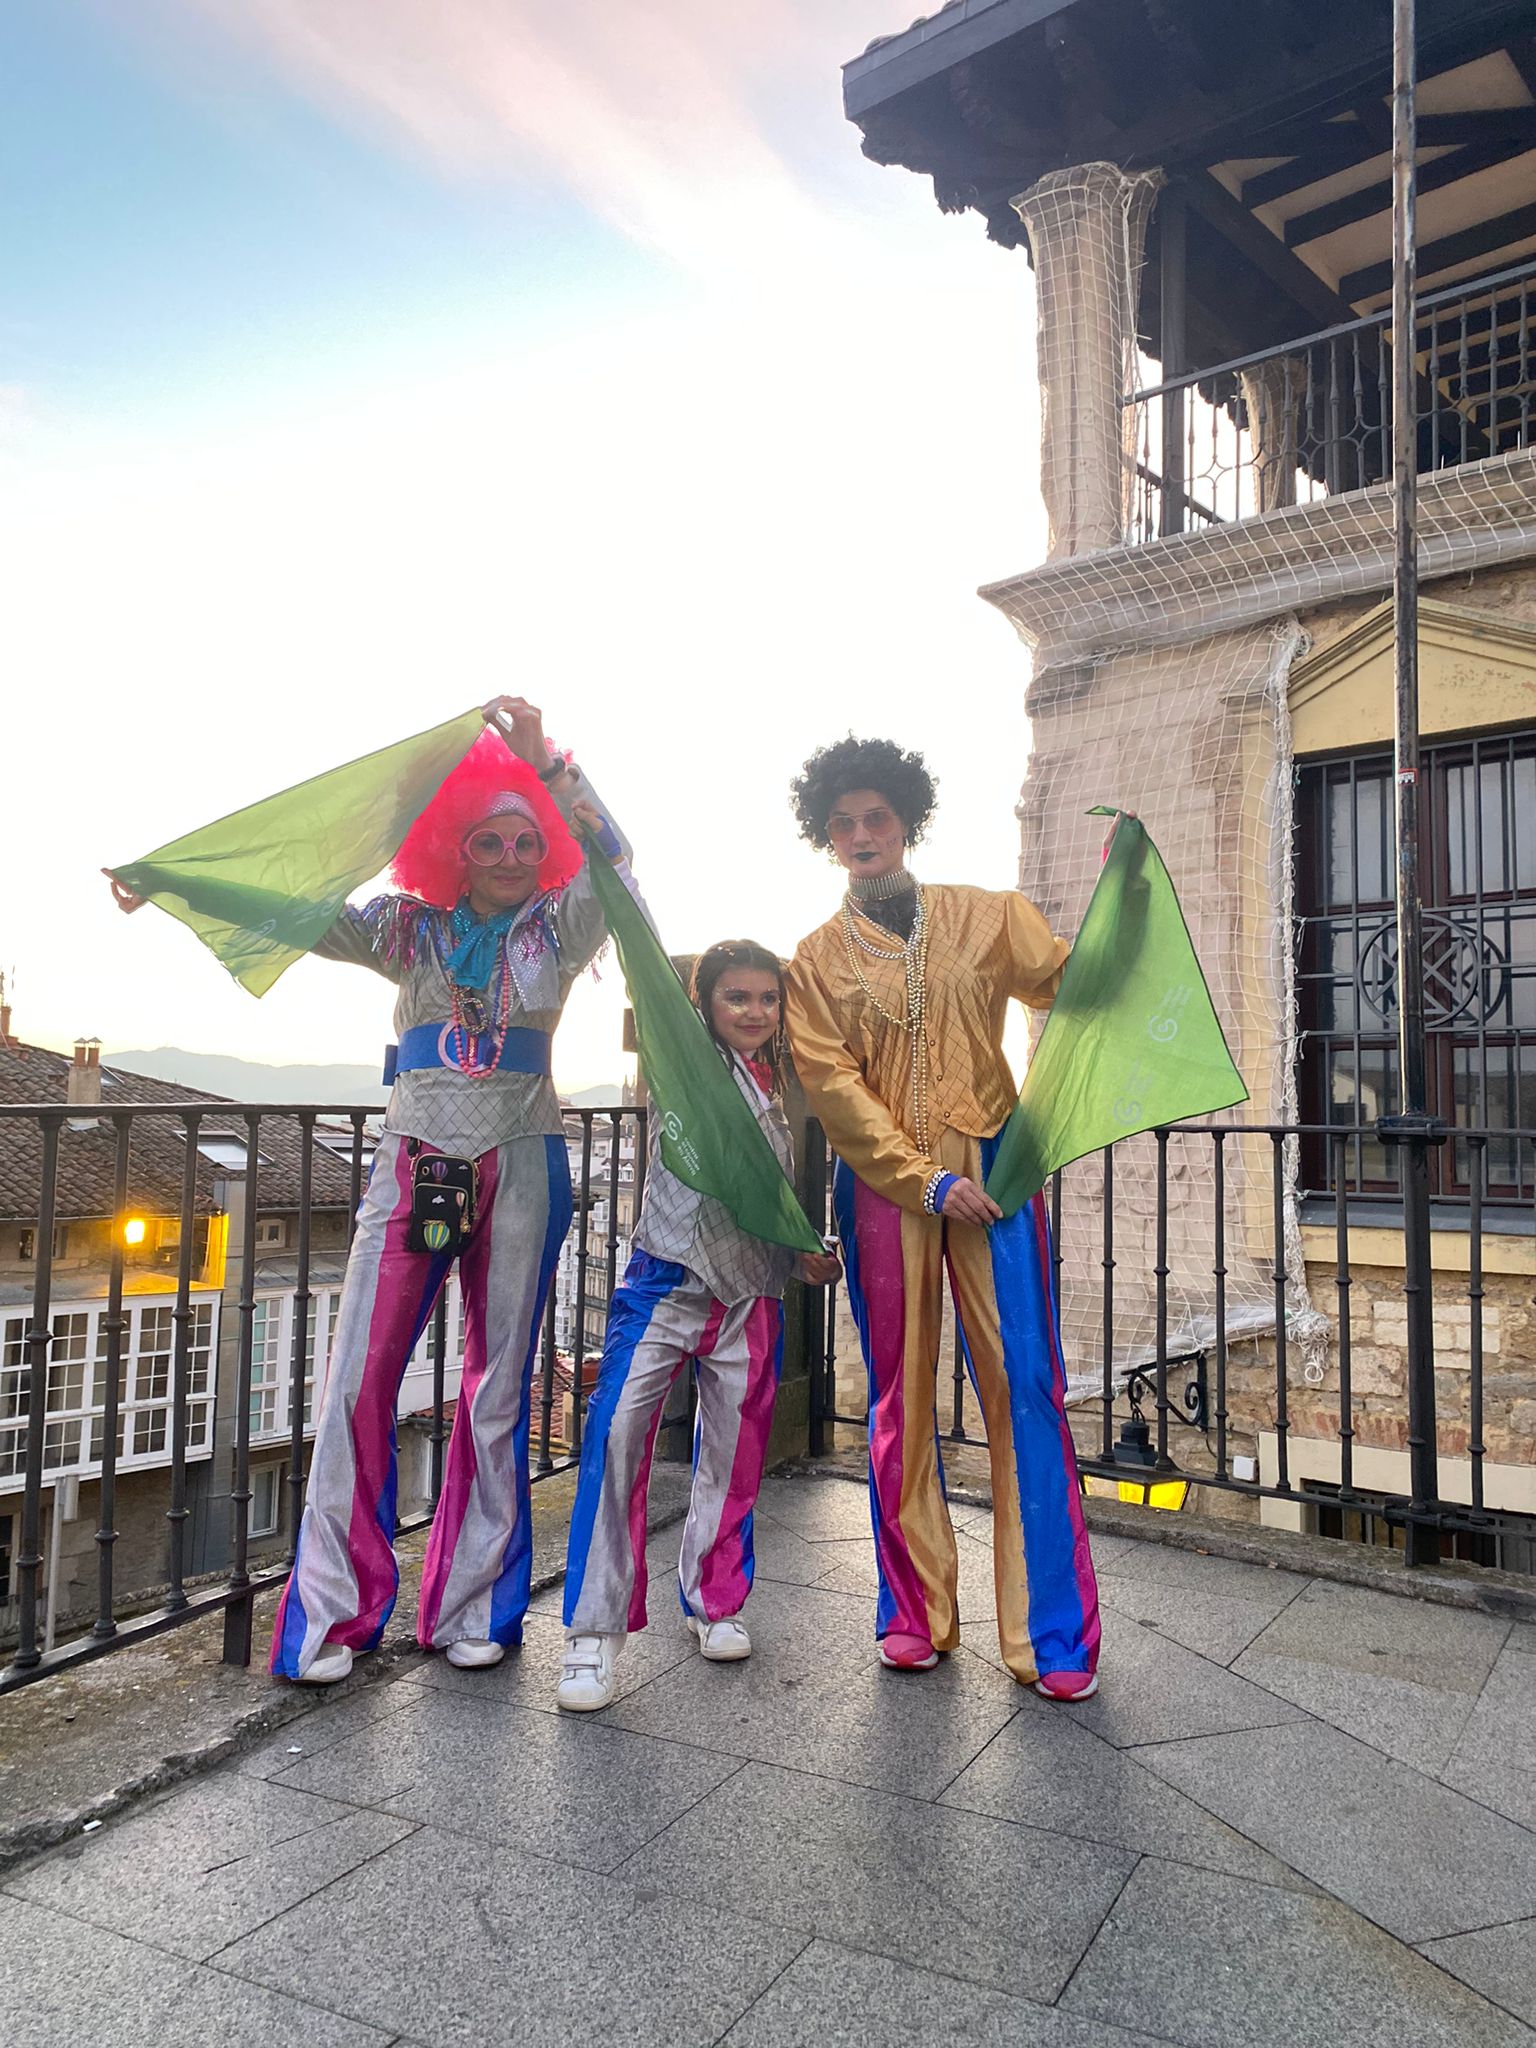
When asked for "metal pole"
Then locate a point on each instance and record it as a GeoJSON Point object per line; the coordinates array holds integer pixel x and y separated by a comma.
{"type": "Point", "coordinates": [1172, 244]}
{"type": "Point", "coordinates": [55, 1545]}
{"type": "Point", "coordinates": [1412, 1128]}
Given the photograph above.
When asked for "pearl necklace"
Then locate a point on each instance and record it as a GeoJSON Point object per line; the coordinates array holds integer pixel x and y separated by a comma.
{"type": "Point", "coordinates": [913, 956]}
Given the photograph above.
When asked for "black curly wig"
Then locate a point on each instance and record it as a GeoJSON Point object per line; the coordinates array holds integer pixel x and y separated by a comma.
{"type": "Point", "coordinates": [901, 778]}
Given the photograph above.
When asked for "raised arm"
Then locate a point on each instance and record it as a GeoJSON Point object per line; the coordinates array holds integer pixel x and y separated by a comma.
{"type": "Point", "coordinates": [578, 920]}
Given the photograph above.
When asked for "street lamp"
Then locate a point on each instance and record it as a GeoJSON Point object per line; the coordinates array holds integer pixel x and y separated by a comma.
{"type": "Point", "coordinates": [134, 1231]}
{"type": "Point", "coordinates": [1136, 1479]}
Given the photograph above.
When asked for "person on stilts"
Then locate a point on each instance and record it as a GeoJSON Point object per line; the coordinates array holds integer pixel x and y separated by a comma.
{"type": "Point", "coordinates": [497, 921]}
{"type": "Point", "coordinates": [895, 1010]}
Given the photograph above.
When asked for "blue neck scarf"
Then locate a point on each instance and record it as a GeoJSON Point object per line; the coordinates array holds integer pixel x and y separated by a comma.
{"type": "Point", "coordinates": [476, 944]}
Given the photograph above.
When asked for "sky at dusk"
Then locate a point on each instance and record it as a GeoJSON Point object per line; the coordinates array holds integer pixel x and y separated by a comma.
{"type": "Point", "coordinates": [360, 359]}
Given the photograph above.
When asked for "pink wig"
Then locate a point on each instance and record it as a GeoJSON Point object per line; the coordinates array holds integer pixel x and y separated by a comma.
{"type": "Point", "coordinates": [430, 863]}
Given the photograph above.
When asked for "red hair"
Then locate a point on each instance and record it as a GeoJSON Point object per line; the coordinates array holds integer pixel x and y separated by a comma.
{"type": "Point", "coordinates": [430, 863]}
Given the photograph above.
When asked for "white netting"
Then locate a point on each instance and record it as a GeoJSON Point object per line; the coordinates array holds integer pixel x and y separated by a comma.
{"type": "Point", "coordinates": [1195, 743]}
{"type": "Point", "coordinates": [1161, 685]}
{"type": "Point", "coordinates": [1087, 229]}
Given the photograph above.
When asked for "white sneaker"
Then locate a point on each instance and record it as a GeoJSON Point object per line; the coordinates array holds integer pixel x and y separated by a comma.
{"type": "Point", "coordinates": [722, 1642]}
{"type": "Point", "coordinates": [586, 1673]}
{"type": "Point", "coordinates": [330, 1667]}
{"type": "Point", "coordinates": [472, 1656]}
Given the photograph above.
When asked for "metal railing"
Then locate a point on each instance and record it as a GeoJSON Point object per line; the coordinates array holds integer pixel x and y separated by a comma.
{"type": "Point", "coordinates": [92, 1404]}
{"type": "Point", "coordinates": [1191, 1387]}
{"type": "Point", "coordinates": [1161, 1380]}
{"type": "Point", "coordinates": [1310, 418]}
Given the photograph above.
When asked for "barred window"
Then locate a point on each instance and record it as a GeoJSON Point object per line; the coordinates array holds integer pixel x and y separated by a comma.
{"type": "Point", "coordinates": [1478, 872]}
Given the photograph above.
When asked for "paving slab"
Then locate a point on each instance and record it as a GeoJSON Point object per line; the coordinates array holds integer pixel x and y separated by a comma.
{"type": "Point", "coordinates": [851, 1569]}
{"type": "Point", "coordinates": [1495, 1756]}
{"type": "Point", "coordinates": [1210, 1961]}
{"type": "Point", "coordinates": [204, 1865]}
{"type": "Point", "coordinates": [450, 1943]}
{"type": "Point", "coordinates": [1153, 1690]}
{"type": "Point", "coordinates": [838, 1997]}
{"type": "Point", "coordinates": [811, 1849]}
{"type": "Point", "coordinates": [1214, 1624]}
{"type": "Point", "coordinates": [1008, 1907]}
{"type": "Point", "coordinates": [1415, 1856]}
{"type": "Point", "coordinates": [528, 1677]}
{"type": "Point", "coordinates": [572, 1787]}
{"type": "Point", "coordinates": [1044, 1770]}
{"type": "Point", "coordinates": [829, 1707]}
{"type": "Point", "coordinates": [783, 1554]}
{"type": "Point", "coordinates": [818, 1510]}
{"type": "Point", "coordinates": [62, 1983]}
{"type": "Point", "coordinates": [1400, 1675]}
{"type": "Point", "coordinates": [333, 1717]}
{"type": "Point", "coordinates": [1500, 1962]}
{"type": "Point", "coordinates": [1198, 1571]}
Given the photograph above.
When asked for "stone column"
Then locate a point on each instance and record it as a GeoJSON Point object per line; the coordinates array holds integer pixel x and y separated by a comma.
{"type": "Point", "coordinates": [1087, 231]}
{"type": "Point", "coordinates": [1273, 395]}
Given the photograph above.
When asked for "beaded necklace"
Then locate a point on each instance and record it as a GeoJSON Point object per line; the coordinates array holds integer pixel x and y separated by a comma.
{"type": "Point", "coordinates": [475, 1015]}
{"type": "Point", "coordinates": [913, 956]}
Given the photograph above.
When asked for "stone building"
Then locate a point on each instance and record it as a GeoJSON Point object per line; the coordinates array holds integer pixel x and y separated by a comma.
{"type": "Point", "coordinates": [1206, 209]}
{"type": "Point", "coordinates": [171, 1201]}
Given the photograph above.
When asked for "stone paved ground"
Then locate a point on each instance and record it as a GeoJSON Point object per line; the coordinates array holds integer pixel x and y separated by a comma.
{"type": "Point", "coordinates": [1300, 1814]}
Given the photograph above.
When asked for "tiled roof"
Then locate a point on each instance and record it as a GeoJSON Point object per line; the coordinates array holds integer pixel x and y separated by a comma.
{"type": "Point", "coordinates": [922, 21]}
{"type": "Point", "coordinates": [30, 1073]}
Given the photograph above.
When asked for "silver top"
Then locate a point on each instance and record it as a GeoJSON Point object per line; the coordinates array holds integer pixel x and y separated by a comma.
{"type": "Point", "coordinates": [699, 1232]}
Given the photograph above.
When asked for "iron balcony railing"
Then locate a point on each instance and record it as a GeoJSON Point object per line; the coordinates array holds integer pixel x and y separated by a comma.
{"type": "Point", "coordinates": [1178, 1387]}
{"type": "Point", "coordinates": [73, 1416]}
{"type": "Point", "coordinates": [1311, 418]}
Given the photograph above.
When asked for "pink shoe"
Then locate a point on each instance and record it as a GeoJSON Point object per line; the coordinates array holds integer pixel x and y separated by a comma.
{"type": "Point", "coordinates": [907, 1653]}
{"type": "Point", "coordinates": [1066, 1685]}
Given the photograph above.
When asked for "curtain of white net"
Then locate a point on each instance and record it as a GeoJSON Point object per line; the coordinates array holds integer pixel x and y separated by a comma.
{"type": "Point", "coordinates": [1087, 231]}
{"type": "Point", "coordinates": [1161, 681]}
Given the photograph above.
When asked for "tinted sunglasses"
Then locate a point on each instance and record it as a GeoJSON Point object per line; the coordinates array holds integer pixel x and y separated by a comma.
{"type": "Point", "coordinates": [488, 848]}
{"type": "Point", "coordinates": [843, 824]}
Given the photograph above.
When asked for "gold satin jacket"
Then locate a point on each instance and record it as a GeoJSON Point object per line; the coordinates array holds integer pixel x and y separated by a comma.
{"type": "Point", "coordinates": [983, 947]}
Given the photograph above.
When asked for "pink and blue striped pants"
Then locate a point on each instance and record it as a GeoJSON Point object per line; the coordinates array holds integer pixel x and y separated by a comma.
{"type": "Point", "coordinates": [476, 1578]}
{"type": "Point", "coordinates": [659, 1319]}
{"type": "Point", "coordinates": [1047, 1596]}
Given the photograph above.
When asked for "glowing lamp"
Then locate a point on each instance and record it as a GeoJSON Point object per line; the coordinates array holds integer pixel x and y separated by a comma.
{"type": "Point", "coordinates": [134, 1230]}
{"type": "Point", "coordinates": [1136, 1481]}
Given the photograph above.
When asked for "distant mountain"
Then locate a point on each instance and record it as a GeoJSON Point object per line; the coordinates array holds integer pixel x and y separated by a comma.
{"type": "Point", "coordinates": [253, 1081]}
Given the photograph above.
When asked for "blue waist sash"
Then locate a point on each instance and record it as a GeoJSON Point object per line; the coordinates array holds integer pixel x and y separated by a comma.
{"type": "Point", "coordinates": [523, 1050]}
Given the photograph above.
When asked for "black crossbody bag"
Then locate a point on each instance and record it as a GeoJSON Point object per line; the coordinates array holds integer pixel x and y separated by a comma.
{"type": "Point", "coordinates": [443, 1201]}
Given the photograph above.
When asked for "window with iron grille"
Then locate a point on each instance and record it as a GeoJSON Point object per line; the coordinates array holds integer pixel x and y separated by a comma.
{"type": "Point", "coordinates": [1478, 870]}
{"type": "Point", "coordinates": [1507, 1542]}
